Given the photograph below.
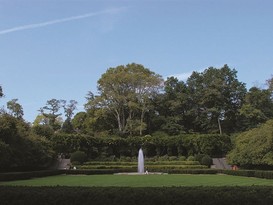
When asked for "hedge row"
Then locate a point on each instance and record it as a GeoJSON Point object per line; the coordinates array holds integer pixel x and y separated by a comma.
{"type": "Point", "coordinates": [249, 173]}
{"type": "Point", "coordinates": [159, 146]}
{"type": "Point", "coordinates": [193, 171]}
{"type": "Point", "coordinates": [97, 171]}
{"type": "Point", "coordinates": [264, 174]}
{"type": "Point", "coordinates": [113, 171]}
{"type": "Point", "coordinates": [165, 168]}
{"type": "Point", "coordinates": [107, 167]}
{"type": "Point", "coordinates": [136, 196]}
{"type": "Point", "coordinates": [9, 176]}
{"type": "Point", "coordinates": [148, 167]}
{"type": "Point", "coordinates": [146, 163]}
{"type": "Point", "coordinates": [244, 173]}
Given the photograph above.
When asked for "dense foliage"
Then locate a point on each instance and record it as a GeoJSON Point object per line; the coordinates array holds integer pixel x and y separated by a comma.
{"type": "Point", "coordinates": [21, 149]}
{"type": "Point", "coordinates": [254, 148]}
{"type": "Point", "coordinates": [116, 147]}
{"type": "Point", "coordinates": [212, 101]}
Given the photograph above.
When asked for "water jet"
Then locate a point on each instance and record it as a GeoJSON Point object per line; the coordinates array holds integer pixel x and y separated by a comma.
{"type": "Point", "coordinates": [140, 165]}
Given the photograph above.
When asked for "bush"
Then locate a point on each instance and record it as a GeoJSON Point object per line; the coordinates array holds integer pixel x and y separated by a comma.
{"type": "Point", "coordinates": [163, 158]}
{"type": "Point", "coordinates": [78, 156]}
{"type": "Point", "coordinates": [173, 158]}
{"type": "Point", "coordinates": [199, 157]}
{"type": "Point", "coordinates": [251, 145]}
{"type": "Point", "coordinates": [191, 158]}
{"type": "Point", "coordinates": [182, 158]}
{"type": "Point", "coordinates": [206, 160]}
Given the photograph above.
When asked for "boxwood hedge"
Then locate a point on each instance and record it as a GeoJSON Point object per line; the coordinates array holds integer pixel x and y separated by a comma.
{"type": "Point", "coordinates": [136, 196]}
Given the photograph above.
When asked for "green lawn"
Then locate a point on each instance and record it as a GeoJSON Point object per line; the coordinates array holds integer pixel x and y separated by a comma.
{"type": "Point", "coordinates": [142, 180]}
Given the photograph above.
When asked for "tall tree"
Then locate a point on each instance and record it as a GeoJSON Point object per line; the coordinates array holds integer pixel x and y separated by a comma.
{"type": "Point", "coordinates": [98, 120]}
{"type": "Point", "coordinates": [125, 91]}
{"type": "Point", "coordinates": [174, 106]}
{"type": "Point", "coordinates": [15, 108]}
{"type": "Point", "coordinates": [70, 108]}
{"type": "Point", "coordinates": [51, 112]}
{"type": "Point", "coordinates": [257, 107]}
{"type": "Point", "coordinates": [216, 96]}
{"type": "Point", "coordinates": [69, 112]}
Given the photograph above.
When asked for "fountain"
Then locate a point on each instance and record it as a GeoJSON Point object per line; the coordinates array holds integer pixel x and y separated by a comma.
{"type": "Point", "coordinates": [140, 166]}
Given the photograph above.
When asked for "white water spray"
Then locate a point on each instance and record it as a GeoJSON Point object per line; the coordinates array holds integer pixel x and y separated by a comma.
{"type": "Point", "coordinates": [140, 167]}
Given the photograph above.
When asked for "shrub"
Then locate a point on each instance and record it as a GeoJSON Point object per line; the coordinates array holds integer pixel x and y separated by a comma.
{"type": "Point", "coordinates": [163, 158]}
{"type": "Point", "coordinates": [172, 158]}
{"type": "Point", "coordinates": [199, 157]}
{"type": "Point", "coordinates": [206, 160]}
{"type": "Point", "coordinates": [182, 158]}
{"type": "Point", "coordinates": [191, 158]}
{"type": "Point", "coordinates": [78, 156]}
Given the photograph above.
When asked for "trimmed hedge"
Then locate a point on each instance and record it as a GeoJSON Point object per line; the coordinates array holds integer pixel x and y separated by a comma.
{"type": "Point", "coordinates": [264, 174]}
{"type": "Point", "coordinates": [10, 176]}
{"type": "Point", "coordinates": [146, 163]}
{"type": "Point", "coordinates": [244, 173]}
{"type": "Point", "coordinates": [167, 168]}
{"type": "Point", "coordinates": [97, 171]}
{"type": "Point", "coordinates": [159, 168]}
{"type": "Point", "coordinates": [193, 171]}
{"type": "Point", "coordinates": [136, 196]}
{"type": "Point", "coordinates": [249, 173]}
{"type": "Point", "coordinates": [113, 171]}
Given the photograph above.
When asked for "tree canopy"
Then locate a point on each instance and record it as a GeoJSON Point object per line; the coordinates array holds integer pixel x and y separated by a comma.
{"type": "Point", "coordinates": [126, 91]}
{"type": "Point", "coordinates": [135, 107]}
{"type": "Point", "coordinates": [15, 108]}
{"type": "Point", "coordinates": [216, 95]}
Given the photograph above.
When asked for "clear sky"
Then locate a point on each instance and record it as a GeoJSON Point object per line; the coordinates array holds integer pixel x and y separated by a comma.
{"type": "Point", "coordinates": [60, 48]}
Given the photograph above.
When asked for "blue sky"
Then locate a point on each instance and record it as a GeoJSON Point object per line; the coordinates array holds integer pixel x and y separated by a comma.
{"type": "Point", "coordinates": [60, 48]}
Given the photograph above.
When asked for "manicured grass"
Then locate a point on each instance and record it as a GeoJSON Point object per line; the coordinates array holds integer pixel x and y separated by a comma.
{"type": "Point", "coordinates": [142, 181]}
